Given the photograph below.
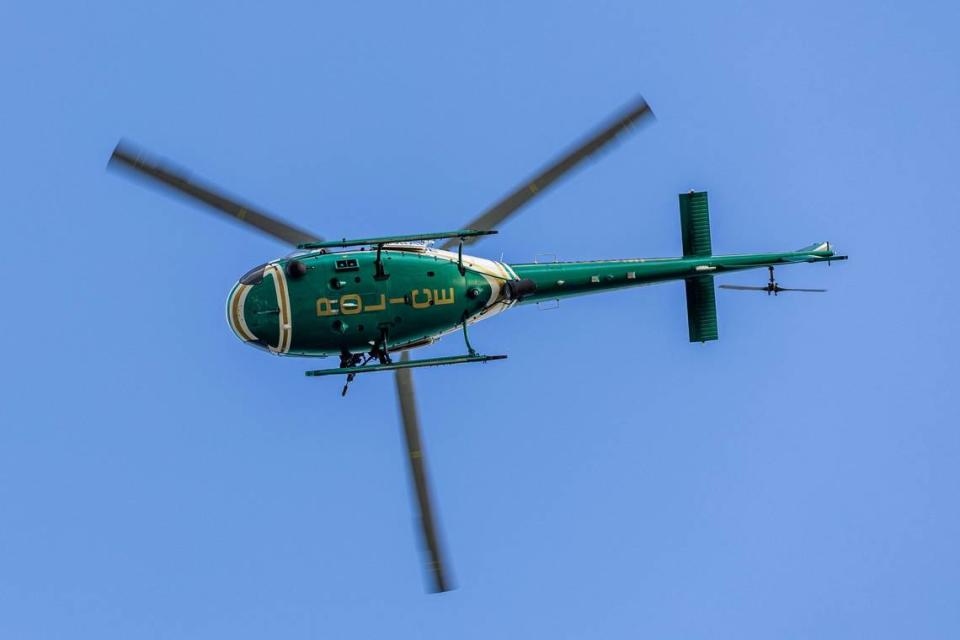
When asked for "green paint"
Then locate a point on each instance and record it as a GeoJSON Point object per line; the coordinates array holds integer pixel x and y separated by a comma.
{"type": "Point", "coordinates": [695, 224]}
{"type": "Point", "coordinates": [424, 296]}
{"type": "Point", "coordinates": [345, 302]}
{"type": "Point", "coordinates": [701, 309]}
{"type": "Point", "coordinates": [557, 280]}
{"type": "Point", "coordinates": [333, 310]}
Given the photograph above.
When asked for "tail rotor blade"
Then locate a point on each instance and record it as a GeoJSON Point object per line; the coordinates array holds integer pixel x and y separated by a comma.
{"type": "Point", "coordinates": [779, 289]}
{"type": "Point", "coordinates": [418, 472]}
{"type": "Point", "coordinates": [738, 287]}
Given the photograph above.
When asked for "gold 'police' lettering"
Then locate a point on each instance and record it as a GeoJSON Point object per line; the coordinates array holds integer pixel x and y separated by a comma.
{"type": "Point", "coordinates": [377, 307]}
{"type": "Point", "coordinates": [325, 307]}
{"type": "Point", "coordinates": [352, 303]}
{"type": "Point", "coordinates": [443, 296]}
{"type": "Point", "coordinates": [421, 305]}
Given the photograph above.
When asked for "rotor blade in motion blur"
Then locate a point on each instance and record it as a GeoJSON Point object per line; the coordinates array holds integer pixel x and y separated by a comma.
{"type": "Point", "coordinates": [739, 287]}
{"type": "Point", "coordinates": [131, 159]}
{"type": "Point", "coordinates": [506, 207]}
{"type": "Point", "coordinates": [418, 472]}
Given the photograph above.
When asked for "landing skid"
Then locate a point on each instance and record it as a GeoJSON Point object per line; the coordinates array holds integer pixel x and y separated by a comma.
{"type": "Point", "coordinates": [351, 364]}
{"type": "Point", "coordinates": [409, 364]}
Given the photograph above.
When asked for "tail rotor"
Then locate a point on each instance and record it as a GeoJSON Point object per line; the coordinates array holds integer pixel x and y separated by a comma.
{"type": "Point", "coordinates": [771, 287]}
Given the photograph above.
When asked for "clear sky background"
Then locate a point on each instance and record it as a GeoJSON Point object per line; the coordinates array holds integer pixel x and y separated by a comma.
{"type": "Point", "coordinates": [796, 479]}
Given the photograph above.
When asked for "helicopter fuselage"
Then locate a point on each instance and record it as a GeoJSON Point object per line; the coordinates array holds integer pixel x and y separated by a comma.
{"type": "Point", "coordinates": [335, 303]}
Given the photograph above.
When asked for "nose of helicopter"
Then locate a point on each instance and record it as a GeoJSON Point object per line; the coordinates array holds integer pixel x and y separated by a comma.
{"type": "Point", "coordinates": [252, 311]}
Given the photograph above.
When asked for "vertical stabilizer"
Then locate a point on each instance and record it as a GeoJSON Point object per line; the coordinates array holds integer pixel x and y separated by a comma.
{"type": "Point", "coordinates": [695, 224]}
{"type": "Point", "coordinates": [701, 309]}
{"type": "Point", "coordinates": [701, 296]}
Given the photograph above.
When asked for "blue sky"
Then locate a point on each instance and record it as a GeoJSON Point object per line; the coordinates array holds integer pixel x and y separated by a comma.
{"type": "Point", "coordinates": [796, 479]}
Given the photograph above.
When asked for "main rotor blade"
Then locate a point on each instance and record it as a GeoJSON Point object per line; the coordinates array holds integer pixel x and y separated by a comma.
{"type": "Point", "coordinates": [805, 290]}
{"type": "Point", "coordinates": [418, 471]}
{"type": "Point", "coordinates": [127, 157]}
{"type": "Point", "coordinates": [738, 287]}
{"type": "Point", "coordinates": [605, 134]}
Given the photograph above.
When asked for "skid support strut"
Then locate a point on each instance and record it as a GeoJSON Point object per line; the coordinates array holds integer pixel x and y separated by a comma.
{"type": "Point", "coordinates": [466, 338]}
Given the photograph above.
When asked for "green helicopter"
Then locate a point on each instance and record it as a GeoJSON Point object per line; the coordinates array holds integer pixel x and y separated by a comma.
{"type": "Point", "coordinates": [366, 300]}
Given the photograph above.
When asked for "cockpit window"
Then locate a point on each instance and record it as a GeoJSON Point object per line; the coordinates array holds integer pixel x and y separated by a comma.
{"type": "Point", "coordinates": [254, 276]}
{"type": "Point", "coordinates": [302, 252]}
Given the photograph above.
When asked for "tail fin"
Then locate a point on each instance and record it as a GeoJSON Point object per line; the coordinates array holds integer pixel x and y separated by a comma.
{"type": "Point", "coordinates": [816, 252]}
{"type": "Point", "coordinates": [701, 295]}
{"type": "Point", "coordinates": [817, 247]}
{"type": "Point", "coordinates": [701, 309]}
{"type": "Point", "coordinates": [695, 224]}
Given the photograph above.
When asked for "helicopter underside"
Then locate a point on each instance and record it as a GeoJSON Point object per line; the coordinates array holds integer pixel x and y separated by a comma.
{"type": "Point", "coordinates": [336, 303]}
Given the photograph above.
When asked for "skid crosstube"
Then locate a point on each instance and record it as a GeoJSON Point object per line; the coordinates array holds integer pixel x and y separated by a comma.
{"type": "Point", "coordinates": [410, 364]}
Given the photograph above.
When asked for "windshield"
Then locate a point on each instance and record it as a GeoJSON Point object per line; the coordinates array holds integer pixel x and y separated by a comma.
{"type": "Point", "coordinates": [254, 276]}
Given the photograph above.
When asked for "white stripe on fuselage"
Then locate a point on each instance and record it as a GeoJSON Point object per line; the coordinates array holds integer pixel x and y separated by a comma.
{"type": "Point", "coordinates": [283, 303]}
{"type": "Point", "coordinates": [495, 273]}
